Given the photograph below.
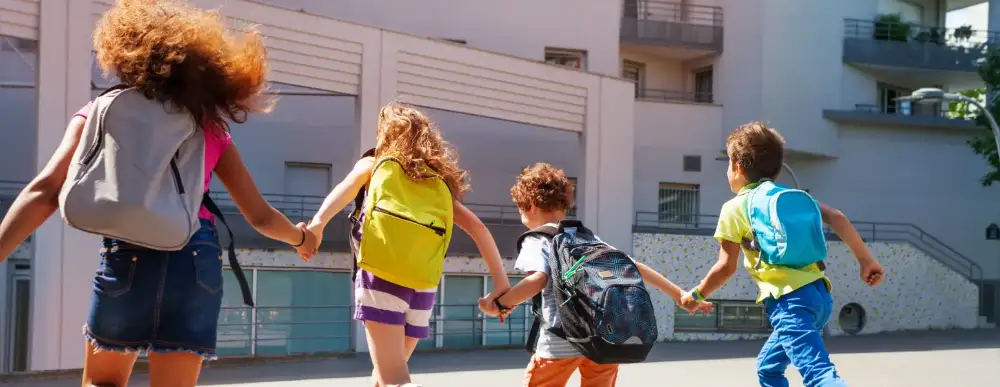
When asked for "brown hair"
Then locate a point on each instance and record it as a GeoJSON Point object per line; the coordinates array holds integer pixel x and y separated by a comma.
{"type": "Point", "coordinates": [757, 149]}
{"type": "Point", "coordinates": [175, 52]}
{"type": "Point", "coordinates": [409, 136]}
{"type": "Point", "coordinates": [543, 186]}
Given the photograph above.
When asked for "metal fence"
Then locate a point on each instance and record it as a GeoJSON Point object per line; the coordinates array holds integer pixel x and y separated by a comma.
{"type": "Point", "coordinates": [674, 95]}
{"type": "Point", "coordinates": [291, 330]}
{"type": "Point", "coordinates": [870, 231]}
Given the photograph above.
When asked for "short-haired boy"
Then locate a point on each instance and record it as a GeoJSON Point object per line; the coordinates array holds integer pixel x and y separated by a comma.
{"type": "Point", "coordinates": [798, 301]}
{"type": "Point", "coordinates": [543, 194]}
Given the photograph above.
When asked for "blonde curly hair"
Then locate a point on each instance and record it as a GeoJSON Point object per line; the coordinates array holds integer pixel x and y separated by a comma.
{"type": "Point", "coordinates": [410, 137]}
{"type": "Point", "coordinates": [175, 52]}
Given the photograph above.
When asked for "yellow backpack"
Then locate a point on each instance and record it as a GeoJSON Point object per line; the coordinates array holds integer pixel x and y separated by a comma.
{"type": "Point", "coordinates": [407, 227]}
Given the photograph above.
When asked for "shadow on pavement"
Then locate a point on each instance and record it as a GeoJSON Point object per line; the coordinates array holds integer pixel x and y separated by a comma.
{"type": "Point", "coordinates": [441, 362]}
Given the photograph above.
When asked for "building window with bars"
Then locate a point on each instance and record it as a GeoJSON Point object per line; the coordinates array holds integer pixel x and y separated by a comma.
{"type": "Point", "coordinates": [678, 203]}
{"type": "Point", "coordinates": [574, 59]}
{"type": "Point", "coordinates": [635, 72]}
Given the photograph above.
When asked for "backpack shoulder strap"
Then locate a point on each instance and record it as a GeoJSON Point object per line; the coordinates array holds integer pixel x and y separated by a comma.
{"type": "Point", "coordinates": [547, 231]}
{"type": "Point", "coordinates": [359, 202]}
{"type": "Point", "coordinates": [234, 264]}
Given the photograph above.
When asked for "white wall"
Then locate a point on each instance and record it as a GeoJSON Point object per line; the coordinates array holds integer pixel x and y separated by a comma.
{"type": "Point", "coordinates": [521, 28]}
{"type": "Point", "coordinates": [926, 177]}
{"type": "Point", "coordinates": [664, 134]}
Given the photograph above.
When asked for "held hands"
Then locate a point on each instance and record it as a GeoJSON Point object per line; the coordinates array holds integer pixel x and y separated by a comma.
{"type": "Point", "coordinates": [310, 242]}
{"type": "Point", "coordinates": [693, 306]}
{"type": "Point", "coordinates": [488, 306]}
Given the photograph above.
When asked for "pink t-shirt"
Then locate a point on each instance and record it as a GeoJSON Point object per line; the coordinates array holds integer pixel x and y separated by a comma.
{"type": "Point", "coordinates": [216, 142]}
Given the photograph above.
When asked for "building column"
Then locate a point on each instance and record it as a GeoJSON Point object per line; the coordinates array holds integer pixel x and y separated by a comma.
{"type": "Point", "coordinates": [63, 258]}
{"type": "Point", "coordinates": [609, 169]}
{"type": "Point", "coordinates": [993, 23]}
{"type": "Point", "coordinates": [377, 87]}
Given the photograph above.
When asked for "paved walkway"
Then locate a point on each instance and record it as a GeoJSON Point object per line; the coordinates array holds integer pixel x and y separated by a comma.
{"type": "Point", "coordinates": [932, 359]}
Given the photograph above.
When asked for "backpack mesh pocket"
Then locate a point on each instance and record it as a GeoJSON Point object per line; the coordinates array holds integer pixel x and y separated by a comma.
{"type": "Point", "coordinates": [625, 316]}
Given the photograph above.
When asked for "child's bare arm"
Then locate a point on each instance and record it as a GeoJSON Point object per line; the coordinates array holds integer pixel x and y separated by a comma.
{"type": "Point", "coordinates": [660, 282]}
{"type": "Point", "coordinates": [723, 270]}
{"type": "Point", "coordinates": [846, 231]}
{"type": "Point", "coordinates": [871, 270]}
{"type": "Point", "coordinates": [524, 290]}
{"type": "Point", "coordinates": [343, 193]}
{"type": "Point", "coordinates": [470, 223]}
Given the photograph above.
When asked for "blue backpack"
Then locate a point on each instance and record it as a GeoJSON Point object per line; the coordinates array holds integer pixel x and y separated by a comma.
{"type": "Point", "coordinates": [787, 226]}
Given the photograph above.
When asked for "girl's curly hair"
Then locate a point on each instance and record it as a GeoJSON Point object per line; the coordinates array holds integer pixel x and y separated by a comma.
{"type": "Point", "coordinates": [175, 52]}
{"type": "Point", "coordinates": [409, 136]}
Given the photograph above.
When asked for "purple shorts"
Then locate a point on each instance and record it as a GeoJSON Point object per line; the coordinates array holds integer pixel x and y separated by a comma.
{"type": "Point", "coordinates": [388, 303]}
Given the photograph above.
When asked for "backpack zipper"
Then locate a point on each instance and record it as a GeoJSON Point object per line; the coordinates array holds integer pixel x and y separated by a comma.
{"type": "Point", "coordinates": [440, 231]}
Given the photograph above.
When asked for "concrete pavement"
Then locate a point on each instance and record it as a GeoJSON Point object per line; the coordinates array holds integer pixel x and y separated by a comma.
{"type": "Point", "coordinates": [959, 358]}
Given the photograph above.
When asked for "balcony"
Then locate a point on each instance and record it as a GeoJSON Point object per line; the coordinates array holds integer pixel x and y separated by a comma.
{"type": "Point", "coordinates": [675, 30]}
{"type": "Point", "coordinates": [911, 46]}
{"type": "Point", "coordinates": [663, 95]}
{"type": "Point", "coordinates": [867, 114]}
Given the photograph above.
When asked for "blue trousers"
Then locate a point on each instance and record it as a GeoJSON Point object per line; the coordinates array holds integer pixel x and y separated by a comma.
{"type": "Point", "coordinates": [798, 319]}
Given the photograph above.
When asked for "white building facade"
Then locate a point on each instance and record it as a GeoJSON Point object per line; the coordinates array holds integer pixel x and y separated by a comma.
{"type": "Point", "coordinates": [633, 98]}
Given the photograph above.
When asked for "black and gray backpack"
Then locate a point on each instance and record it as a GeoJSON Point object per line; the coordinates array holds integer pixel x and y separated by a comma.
{"type": "Point", "coordinates": [604, 309]}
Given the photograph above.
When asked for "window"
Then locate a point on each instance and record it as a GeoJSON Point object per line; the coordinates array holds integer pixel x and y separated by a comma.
{"type": "Point", "coordinates": [678, 203]}
{"type": "Point", "coordinates": [728, 316]}
{"type": "Point", "coordinates": [306, 184]}
{"type": "Point", "coordinates": [459, 324]}
{"type": "Point", "coordinates": [298, 311]}
{"type": "Point", "coordinates": [635, 72]}
{"type": "Point", "coordinates": [888, 104]}
{"type": "Point", "coordinates": [703, 85]}
{"type": "Point", "coordinates": [571, 213]}
{"type": "Point", "coordinates": [575, 59]}
{"type": "Point", "coordinates": [692, 163]}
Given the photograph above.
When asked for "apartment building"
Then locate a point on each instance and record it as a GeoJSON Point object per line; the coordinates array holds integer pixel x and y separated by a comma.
{"type": "Point", "coordinates": [632, 97]}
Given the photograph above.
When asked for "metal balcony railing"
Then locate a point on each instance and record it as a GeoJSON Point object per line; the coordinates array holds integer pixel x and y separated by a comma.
{"type": "Point", "coordinates": [666, 23]}
{"type": "Point", "coordinates": [698, 224]}
{"type": "Point", "coordinates": [906, 109]}
{"type": "Point", "coordinates": [915, 46]}
{"type": "Point", "coordinates": [915, 33]}
{"type": "Point", "coordinates": [674, 95]}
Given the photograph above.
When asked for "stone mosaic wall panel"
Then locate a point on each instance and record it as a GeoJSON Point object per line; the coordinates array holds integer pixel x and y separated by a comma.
{"type": "Point", "coordinates": [918, 293]}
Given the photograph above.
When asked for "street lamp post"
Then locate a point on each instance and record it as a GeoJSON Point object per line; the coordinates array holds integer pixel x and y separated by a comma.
{"type": "Point", "coordinates": [932, 95]}
{"type": "Point", "coordinates": [791, 173]}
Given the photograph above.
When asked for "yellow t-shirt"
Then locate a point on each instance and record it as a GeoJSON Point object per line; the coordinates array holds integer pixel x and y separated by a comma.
{"type": "Point", "coordinates": [773, 281]}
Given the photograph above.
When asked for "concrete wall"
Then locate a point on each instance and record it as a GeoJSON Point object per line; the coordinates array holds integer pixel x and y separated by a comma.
{"type": "Point", "coordinates": [919, 293]}
{"type": "Point", "coordinates": [926, 177]}
{"type": "Point", "coordinates": [522, 28]}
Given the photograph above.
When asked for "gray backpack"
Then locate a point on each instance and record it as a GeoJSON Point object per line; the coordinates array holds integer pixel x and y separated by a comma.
{"type": "Point", "coordinates": [138, 173]}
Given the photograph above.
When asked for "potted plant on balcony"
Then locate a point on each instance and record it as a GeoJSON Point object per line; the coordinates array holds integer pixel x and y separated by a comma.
{"type": "Point", "coordinates": [891, 27]}
{"type": "Point", "coordinates": [963, 33]}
